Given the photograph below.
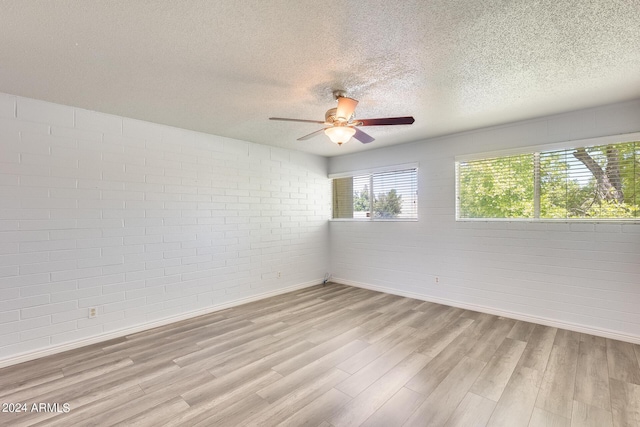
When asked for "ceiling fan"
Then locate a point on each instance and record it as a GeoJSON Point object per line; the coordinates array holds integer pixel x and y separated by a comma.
{"type": "Point", "coordinates": [342, 123]}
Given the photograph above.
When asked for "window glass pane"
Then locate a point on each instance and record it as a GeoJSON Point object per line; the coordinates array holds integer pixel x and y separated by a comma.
{"type": "Point", "coordinates": [598, 181]}
{"type": "Point", "coordinates": [343, 197]}
{"type": "Point", "coordinates": [583, 182]}
{"type": "Point", "coordinates": [554, 187]}
{"type": "Point", "coordinates": [395, 194]}
{"type": "Point", "coordinates": [496, 188]}
{"type": "Point", "coordinates": [361, 204]}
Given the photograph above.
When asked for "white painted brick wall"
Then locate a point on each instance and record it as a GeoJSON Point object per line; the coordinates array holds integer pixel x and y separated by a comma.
{"type": "Point", "coordinates": [587, 274]}
{"type": "Point", "coordinates": [142, 221]}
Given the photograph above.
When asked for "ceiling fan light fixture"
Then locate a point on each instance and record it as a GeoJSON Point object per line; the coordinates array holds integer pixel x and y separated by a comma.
{"type": "Point", "coordinates": [340, 134]}
{"type": "Point", "coordinates": [341, 125]}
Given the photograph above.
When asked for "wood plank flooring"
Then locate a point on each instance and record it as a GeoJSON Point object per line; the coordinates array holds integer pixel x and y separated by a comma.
{"type": "Point", "coordinates": [335, 356]}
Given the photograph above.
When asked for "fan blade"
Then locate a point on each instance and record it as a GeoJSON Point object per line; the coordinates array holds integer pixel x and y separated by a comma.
{"type": "Point", "coordinates": [346, 107]}
{"type": "Point", "coordinates": [296, 120]}
{"type": "Point", "coordinates": [386, 121]}
{"type": "Point", "coordinates": [363, 137]}
{"type": "Point", "coordinates": [311, 135]}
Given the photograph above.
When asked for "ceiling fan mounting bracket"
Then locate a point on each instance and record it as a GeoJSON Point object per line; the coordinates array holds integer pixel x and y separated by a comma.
{"type": "Point", "coordinates": [330, 116]}
{"type": "Point", "coordinates": [339, 93]}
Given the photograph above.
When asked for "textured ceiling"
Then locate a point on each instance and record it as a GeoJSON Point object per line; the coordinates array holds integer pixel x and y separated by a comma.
{"type": "Point", "coordinates": [224, 67]}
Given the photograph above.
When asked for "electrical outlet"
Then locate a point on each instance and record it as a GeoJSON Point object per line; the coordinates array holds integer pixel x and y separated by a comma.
{"type": "Point", "coordinates": [93, 312]}
{"type": "Point", "coordinates": [437, 279]}
{"type": "Point", "coordinates": [279, 274]}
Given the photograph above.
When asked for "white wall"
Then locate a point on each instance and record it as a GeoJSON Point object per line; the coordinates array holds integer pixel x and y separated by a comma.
{"type": "Point", "coordinates": [581, 275]}
{"type": "Point", "coordinates": [144, 222]}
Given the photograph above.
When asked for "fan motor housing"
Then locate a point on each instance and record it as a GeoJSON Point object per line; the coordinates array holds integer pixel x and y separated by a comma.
{"type": "Point", "coordinates": [330, 115]}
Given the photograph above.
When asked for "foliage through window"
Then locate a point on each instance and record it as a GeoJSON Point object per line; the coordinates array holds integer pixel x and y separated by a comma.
{"type": "Point", "coordinates": [600, 181]}
{"type": "Point", "coordinates": [394, 195]}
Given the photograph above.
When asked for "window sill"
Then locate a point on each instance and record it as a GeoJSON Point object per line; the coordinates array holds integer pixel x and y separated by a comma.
{"type": "Point", "coordinates": [554, 220]}
{"type": "Point", "coordinates": [373, 220]}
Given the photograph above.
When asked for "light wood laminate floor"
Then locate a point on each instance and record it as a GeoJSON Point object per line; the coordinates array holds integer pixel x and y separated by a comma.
{"type": "Point", "coordinates": [336, 356]}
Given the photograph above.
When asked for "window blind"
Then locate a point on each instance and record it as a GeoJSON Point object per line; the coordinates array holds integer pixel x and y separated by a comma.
{"type": "Point", "coordinates": [385, 195]}
{"type": "Point", "coordinates": [598, 181]}
{"type": "Point", "coordinates": [396, 194]}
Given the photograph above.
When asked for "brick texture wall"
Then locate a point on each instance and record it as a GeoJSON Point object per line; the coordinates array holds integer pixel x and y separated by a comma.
{"type": "Point", "coordinates": [144, 222]}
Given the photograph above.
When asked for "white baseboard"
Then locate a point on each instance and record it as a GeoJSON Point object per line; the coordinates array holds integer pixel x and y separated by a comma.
{"type": "Point", "coordinates": [25, 357]}
{"type": "Point", "coordinates": [606, 333]}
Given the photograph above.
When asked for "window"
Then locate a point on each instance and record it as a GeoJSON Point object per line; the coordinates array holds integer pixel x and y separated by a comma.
{"type": "Point", "coordinates": [394, 195]}
{"type": "Point", "coordinates": [590, 181]}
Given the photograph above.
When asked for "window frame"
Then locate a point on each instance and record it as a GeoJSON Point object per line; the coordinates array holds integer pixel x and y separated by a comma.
{"type": "Point", "coordinates": [531, 149]}
{"type": "Point", "coordinates": [371, 172]}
